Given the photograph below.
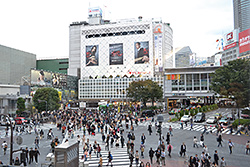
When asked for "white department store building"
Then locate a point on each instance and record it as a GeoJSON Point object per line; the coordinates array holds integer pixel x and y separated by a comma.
{"type": "Point", "coordinates": [107, 56]}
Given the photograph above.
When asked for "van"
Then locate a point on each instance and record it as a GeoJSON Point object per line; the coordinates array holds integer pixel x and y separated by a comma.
{"type": "Point", "coordinates": [147, 113]}
{"type": "Point", "coordinates": [20, 120]}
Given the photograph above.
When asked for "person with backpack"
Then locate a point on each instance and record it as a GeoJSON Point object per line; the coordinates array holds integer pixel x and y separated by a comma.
{"type": "Point", "coordinates": [133, 137]}
{"type": "Point", "coordinates": [158, 155]}
{"type": "Point", "coordinates": [110, 158]}
{"type": "Point", "coordinates": [36, 142]}
{"type": "Point", "coordinates": [169, 148]}
{"type": "Point", "coordinates": [142, 147]}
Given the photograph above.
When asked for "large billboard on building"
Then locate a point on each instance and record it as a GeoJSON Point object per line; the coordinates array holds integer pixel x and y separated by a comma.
{"type": "Point", "coordinates": [47, 79]}
{"type": "Point", "coordinates": [244, 41]}
{"type": "Point", "coordinates": [95, 11]}
{"type": "Point", "coordinates": [230, 39]}
{"type": "Point", "coordinates": [116, 54]}
{"type": "Point", "coordinates": [141, 52]}
{"type": "Point", "coordinates": [92, 55]}
{"type": "Point", "coordinates": [40, 78]}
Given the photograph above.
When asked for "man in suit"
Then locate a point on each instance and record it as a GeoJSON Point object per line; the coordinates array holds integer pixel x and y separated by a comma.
{"type": "Point", "coordinates": [183, 149]}
{"type": "Point", "coordinates": [140, 57]}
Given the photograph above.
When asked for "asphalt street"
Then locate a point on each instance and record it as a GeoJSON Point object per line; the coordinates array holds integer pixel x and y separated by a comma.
{"type": "Point", "coordinates": [238, 158]}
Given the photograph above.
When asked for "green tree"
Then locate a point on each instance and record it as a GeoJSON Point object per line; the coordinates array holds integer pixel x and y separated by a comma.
{"type": "Point", "coordinates": [20, 105]}
{"type": "Point", "coordinates": [144, 91]}
{"type": "Point", "coordinates": [232, 80]}
{"type": "Point", "coordinates": [48, 95]}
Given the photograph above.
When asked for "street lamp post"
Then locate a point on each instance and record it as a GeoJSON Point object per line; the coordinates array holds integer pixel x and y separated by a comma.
{"type": "Point", "coordinates": [11, 137]}
{"type": "Point", "coordinates": [160, 119]}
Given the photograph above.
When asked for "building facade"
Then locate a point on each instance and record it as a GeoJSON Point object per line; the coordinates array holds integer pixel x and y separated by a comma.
{"type": "Point", "coordinates": [241, 14]}
{"type": "Point", "coordinates": [15, 64]}
{"type": "Point", "coordinates": [54, 65]}
{"type": "Point", "coordinates": [182, 57]}
{"type": "Point", "coordinates": [113, 54]}
{"type": "Point", "coordinates": [183, 83]}
{"type": "Point", "coordinates": [109, 88]}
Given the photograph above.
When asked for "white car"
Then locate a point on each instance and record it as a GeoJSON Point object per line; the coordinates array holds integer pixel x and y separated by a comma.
{"type": "Point", "coordinates": [211, 120]}
{"type": "Point", "coordinates": [185, 118]}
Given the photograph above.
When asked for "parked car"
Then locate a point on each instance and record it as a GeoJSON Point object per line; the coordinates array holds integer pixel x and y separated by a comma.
{"type": "Point", "coordinates": [147, 113]}
{"type": "Point", "coordinates": [224, 121]}
{"type": "Point", "coordinates": [200, 117]}
{"type": "Point", "coordinates": [185, 118]}
{"type": "Point", "coordinates": [20, 120]}
{"type": "Point", "coordinates": [212, 120]}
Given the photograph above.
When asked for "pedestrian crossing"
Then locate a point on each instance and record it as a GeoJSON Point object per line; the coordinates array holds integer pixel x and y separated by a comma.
{"type": "Point", "coordinates": [120, 155]}
{"type": "Point", "coordinates": [196, 127]}
{"type": "Point", "coordinates": [45, 127]}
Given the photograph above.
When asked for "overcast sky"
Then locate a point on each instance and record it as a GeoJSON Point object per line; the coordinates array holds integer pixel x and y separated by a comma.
{"type": "Point", "coordinates": [42, 27]}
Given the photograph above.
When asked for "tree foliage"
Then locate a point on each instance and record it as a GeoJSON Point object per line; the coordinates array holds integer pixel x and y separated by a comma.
{"type": "Point", "coordinates": [145, 91]}
{"type": "Point", "coordinates": [233, 80]}
{"type": "Point", "coordinates": [46, 94]}
{"type": "Point", "coordinates": [20, 105]}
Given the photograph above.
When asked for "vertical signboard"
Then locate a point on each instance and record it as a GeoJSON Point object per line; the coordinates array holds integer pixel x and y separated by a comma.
{"type": "Point", "coordinates": [156, 54]}
{"type": "Point", "coordinates": [244, 41]}
{"type": "Point", "coordinates": [160, 53]}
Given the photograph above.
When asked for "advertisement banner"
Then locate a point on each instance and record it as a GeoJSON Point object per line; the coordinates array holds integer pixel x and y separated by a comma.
{"type": "Point", "coordinates": [141, 52]}
{"type": "Point", "coordinates": [116, 54]}
{"type": "Point", "coordinates": [230, 46]}
{"type": "Point", "coordinates": [156, 54]}
{"type": "Point", "coordinates": [244, 41]}
{"type": "Point", "coordinates": [40, 78]}
{"type": "Point", "coordinates": [160, 53]}
{"type": "Point", "coordinates": [92, 55]}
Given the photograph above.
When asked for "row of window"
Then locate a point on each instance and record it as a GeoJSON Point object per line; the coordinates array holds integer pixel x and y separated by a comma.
{"type": "Point", "coordinates": [115, 34]}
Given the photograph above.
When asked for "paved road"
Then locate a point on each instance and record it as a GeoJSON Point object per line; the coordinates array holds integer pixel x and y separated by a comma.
{"type": "Point", "coordinates": [238, 158]}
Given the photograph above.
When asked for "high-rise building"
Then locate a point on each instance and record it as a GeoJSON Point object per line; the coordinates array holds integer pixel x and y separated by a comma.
{"type": "Point", "coordinates": [241, 14]}
{"type": "Point", "coordinates": [182, 56]}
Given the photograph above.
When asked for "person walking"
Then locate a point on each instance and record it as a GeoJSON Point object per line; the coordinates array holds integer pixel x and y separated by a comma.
{"type": "Point", "coordinates": [183, 149]}
{"type": "Point", "coordinates": [158, 155]}
{"type": "Point", "coordinates": [151, 155]}
{"type": "Point", "coordinates": [150, 129]}
{"type": "Point", "coordinates": [137, 156]}
{"type": "Point", "coordinates": [122, 141]}
{"type": "Point", "coordinates": [4, 146]}
{"type": "Point", "coordinates": [36, 142]}
{"type": "Point", "coordinates": [216, 157]}
{"type": "Point", "coordinates": [143, 138]}
{"type": "Point", "coordinates": [163, 155]}
{"type": "Point", "coordinates": [36, 154]}
{"type": "Point", "coordinates": [31, 155]}
{"type": "Point", "coordinates": [131, 157]}
{"type": "Point", "coordinates": [219, 140]}
{"type": "Point", "coordinates": [230, 145]}
{"type": "Point", "coordinates": [169, 148]}
{"type": "Point", "coordinates": [223, 162]}
{"type": "Point", "coordinates": [170, 130]}
{"type": "Point", "coordinates": [168, 138]}
{"type": "Point", "coordinates": [110, 158]}
{"type": "Point", "coordinates": [195, 142]}
{"type": "Point", "coordinates": [247, 147]}
{"type": "Point", "coordinates": [142, 148]}
{"type": "Point", "coordinates": [100, 161]}
{"type": "Point", "coordinates": [98, 151]}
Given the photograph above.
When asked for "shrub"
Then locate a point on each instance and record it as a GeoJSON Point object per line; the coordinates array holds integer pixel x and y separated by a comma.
{"type": "Point", "coordinates": [181, 113]}
{"type": "Point", "coordinates": [244, 122]}
{"type": "Point", "coordinates": [186, 112]}
{"type": "Point", "coordinates": [174, 120]}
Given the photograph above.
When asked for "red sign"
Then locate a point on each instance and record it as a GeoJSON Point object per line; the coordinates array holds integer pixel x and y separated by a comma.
{"type": "Point", "coordinates": [230, 36]}
{"type": "Point", "coordinates": [230, 46]}
{"type": "Point", "coordinates": [244, 41]}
